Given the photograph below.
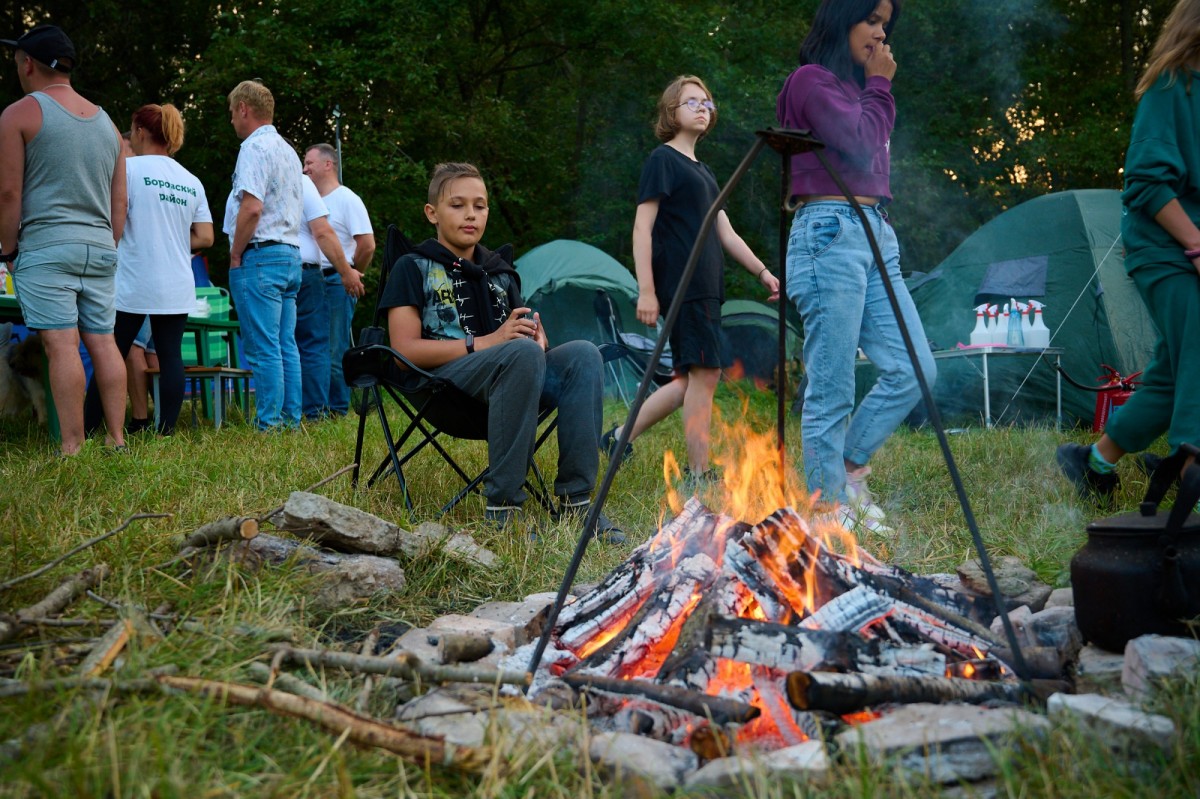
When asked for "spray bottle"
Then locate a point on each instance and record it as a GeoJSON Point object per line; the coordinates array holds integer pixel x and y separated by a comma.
{"type": "Point", "coordinates": [1038, 334]}
{"type": "Point", "coordinates": [997, 335]}
{"type": "Point", "coordinates": [981, 335]}
{"type": "Point", "coordinates": [1016, 338]}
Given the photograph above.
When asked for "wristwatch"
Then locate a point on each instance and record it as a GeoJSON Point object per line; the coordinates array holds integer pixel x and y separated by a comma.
{"type": "Point", "coordinates": [470, 344]}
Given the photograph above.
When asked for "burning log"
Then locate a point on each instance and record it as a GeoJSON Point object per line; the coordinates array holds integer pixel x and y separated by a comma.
{"type": "Point", "coordinates": [848, 693]}
{"type": "Point", "coordinates": [717, 709]}
{"type": "Point", "coordinates": [784, 647]}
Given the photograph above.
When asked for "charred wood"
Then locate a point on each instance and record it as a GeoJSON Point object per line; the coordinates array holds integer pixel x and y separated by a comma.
{"type": "Point", "coordinates": [848, 693]}
{"type": "Point", "coordinates": [715, 708]}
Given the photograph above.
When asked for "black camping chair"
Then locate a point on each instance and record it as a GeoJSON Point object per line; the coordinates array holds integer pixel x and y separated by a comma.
{"type": "Point", "coordinates": [432, 406]}
{"type": "Point", "coordinates": [626, 355]}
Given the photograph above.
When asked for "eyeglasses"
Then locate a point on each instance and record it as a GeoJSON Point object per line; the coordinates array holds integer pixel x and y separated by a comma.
{"type": "Point", "coordinates": [695, 105]}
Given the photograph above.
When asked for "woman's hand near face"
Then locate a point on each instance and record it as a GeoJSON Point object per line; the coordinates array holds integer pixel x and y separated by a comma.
{"type": "Point", "coordinates": [881, 62]}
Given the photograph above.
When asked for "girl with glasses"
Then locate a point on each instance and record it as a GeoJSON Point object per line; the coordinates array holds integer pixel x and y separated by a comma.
{"type": "Point", "coordinates": [842, 92]}
{"type": "Point", "coordinates": [674, 195]}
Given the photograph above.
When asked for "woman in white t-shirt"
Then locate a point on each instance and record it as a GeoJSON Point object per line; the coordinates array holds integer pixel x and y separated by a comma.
{"type": "Point", "coordinates": [168, 219]}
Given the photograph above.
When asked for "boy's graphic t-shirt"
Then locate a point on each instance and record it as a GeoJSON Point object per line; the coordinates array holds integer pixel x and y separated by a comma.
{"type": "Point", "coordinates": [432, 288]}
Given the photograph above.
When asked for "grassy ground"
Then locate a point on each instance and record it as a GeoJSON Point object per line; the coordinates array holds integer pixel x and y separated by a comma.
{"type": "Point", "coordinates": [152, 745]}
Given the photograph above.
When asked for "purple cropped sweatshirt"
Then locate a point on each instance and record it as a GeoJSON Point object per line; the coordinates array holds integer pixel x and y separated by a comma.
{"type": "Point", "coordinates": [854, 123]}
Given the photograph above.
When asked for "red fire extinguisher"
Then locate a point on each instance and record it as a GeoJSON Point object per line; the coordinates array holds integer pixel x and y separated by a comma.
{"type": "Point", "coordinates": [1114, 392]}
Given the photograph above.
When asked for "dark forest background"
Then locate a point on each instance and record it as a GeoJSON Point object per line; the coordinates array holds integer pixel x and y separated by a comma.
{"type": "Point", "coordinates": [998, 102]}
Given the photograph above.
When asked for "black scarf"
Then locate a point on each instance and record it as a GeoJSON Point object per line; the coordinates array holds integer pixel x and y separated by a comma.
{"type": "Point", "coordinates": [482, 305]}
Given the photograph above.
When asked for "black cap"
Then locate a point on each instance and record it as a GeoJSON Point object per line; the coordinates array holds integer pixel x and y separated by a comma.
{"type": "Point", "coordinates": [47, 44]}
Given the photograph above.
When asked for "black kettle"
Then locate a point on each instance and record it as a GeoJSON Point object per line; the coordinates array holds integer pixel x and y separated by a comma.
{"type": "Point", "coordinates": [1139, 573]}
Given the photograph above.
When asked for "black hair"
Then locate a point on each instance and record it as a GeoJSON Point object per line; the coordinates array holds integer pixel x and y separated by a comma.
{"type": "Point", "coordinates": [828, 40]}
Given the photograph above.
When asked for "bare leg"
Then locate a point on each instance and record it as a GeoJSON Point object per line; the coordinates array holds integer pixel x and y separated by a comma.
{"type": "Point", "coordinates": [109, 373]}
{"type": "Point", "coordinates": [135, 367]}
{"type": "Point", "coordinates": [658, 406]}
{"type": "Point", "coordinates": [67, 384]}
{"type": "Point", "coordinates": [1109, 449]}
{"type": "Point", "coordinates": [697, 415]}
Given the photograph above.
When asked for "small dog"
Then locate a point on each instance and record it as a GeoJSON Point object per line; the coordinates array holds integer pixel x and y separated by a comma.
{"type": "Point", "coordinates": [21, 368]}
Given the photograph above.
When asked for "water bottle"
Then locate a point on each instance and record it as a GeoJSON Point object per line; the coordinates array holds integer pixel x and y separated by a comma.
{"type": "Point", "coordinates": [1016, 337]}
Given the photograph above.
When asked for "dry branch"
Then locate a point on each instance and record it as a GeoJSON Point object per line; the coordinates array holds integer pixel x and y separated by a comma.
{"type": "Point", "coordinates": [719, 709]}
{"type": "Point", "coordinates": [234, 528]}
{"type": "Point", "coordinates": [106, 650]}
{"type": "Point", "coordinates": [406, 666]}
{"type": "Point", "coordinates": [265, 675]}
{"type": "Point", "coordinates": [91, 542]}
{"type": "Point", "coordinates": [55, 601]}
{"type": "Point", "coordinates": [848, 693]}
{"type": "Point", "coordinates": [360, 729]}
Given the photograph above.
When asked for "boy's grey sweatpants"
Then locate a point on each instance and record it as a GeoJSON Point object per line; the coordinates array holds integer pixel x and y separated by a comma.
{"type": "Point", "coordinates": [514, 380]}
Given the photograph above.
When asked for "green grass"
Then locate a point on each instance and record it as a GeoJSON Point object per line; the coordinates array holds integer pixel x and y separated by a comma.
{"type": "Point", "coordinates": [152, 745]}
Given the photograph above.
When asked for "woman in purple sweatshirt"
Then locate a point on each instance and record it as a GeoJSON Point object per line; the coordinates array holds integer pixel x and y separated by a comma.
{"type": "Point", "coordinates": [842, 92]}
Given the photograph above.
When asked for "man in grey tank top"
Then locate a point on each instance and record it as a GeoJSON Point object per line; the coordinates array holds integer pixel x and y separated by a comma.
{"type": "Point", "coordinates": [62, 210]}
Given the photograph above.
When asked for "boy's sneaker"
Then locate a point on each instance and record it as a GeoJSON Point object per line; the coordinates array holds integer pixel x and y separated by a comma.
{"type": "Point", "coordinates": [1090, 484]}
{"type": "Point", "coordinates": [501, 517]}
{"type": "Point", "coordinates": [608, 443]}
{"type": "Point", "coordinates": [858, 496]}
{"type": "Point", "coordinates": [606, 530]}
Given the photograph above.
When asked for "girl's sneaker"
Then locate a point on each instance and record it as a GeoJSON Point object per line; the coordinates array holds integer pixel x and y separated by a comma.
{"type": "Point", "coordinates": [859, 496]}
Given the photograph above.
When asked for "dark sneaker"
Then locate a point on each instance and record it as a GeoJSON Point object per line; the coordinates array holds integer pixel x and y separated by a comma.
{"type": "Point", "coordinates": [1147, 462]}
{"type": "Point", "coordinates": [608, 443]}
{"type": "Point", "coordinates": [502, 516]}
{"type": "Point", "coordinates": [606, 530]}
{"type": "Point", "coordinates": [1091, 485]}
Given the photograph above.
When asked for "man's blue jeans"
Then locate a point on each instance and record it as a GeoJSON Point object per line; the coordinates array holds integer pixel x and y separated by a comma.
{"type": "Point", "coordinates": [312, 340]}
{"type": "Point", "coordinates": [341, 314]}
{"type": "Point", "coordinates": [835, 284]}
{"type": "Point", "coordinates": [264, 290]}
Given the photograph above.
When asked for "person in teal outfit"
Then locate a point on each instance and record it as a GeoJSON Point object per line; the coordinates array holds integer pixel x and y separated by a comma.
{"type": "Point", "coordinates": [1160, 226]}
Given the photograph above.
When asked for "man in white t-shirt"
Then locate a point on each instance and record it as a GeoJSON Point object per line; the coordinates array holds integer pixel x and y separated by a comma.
{"type": "Point", "coordinates": [352, 224]}
{"type": "Point", "coordinates": [318, 242]}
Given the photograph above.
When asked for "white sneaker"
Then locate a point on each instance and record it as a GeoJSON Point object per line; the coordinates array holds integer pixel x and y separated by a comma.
{"type": "Point", "coordinates": [859, 496]}
{"type": "Point", "coordinates": [855, 520]}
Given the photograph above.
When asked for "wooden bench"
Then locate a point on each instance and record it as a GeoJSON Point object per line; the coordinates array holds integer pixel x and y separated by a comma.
{"type": "Point", "coordinates": [224, 379]}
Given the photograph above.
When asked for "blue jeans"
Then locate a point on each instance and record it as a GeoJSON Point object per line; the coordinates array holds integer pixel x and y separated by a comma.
{"type": "Point", "coordinates": [341, 313]}
{"type": "Point", "coordinates": [264, 290]}
{"type": "Point", "coordinates": [312, 340]}
{"type": "Point", "coordinates": [835, 284]}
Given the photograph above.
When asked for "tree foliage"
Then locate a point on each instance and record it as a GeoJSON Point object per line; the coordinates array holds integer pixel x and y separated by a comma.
{"type": "Point", "coordinates": [554, 99]}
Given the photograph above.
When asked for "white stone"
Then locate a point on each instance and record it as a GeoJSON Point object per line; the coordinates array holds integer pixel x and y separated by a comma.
{"type": "Point", "coordinates": [1150, 659]}
{"type": "Point", "coordinates": [942, 743]}
{"type": "Point", "coordinates": [1061, 598]}
{"type": "Point", "coordinates": [664, 765]}
{"type": "Point", "coordinates": [1116, 723]}
{"type": "Point", "coordinates": [1098, 671]}
{"type": "Point", "coordinates": [807, 762]}
{"type": "Point", "coordinates": [502, 633]}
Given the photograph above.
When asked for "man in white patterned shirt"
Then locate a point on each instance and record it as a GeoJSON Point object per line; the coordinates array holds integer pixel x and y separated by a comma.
{"type": "Point", "coordinates": [262, 220]}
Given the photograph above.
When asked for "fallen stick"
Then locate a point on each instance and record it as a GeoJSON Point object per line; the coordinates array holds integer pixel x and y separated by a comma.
{"type": "Point", "coordinates": [234, 528]}
{"type": "Point", "coordinates": [340, 720]}
{"type": "Point", "coordinates": [262, 673]}
{"type": "Point", "coordinates": [848, 693]}
{"type": "Point", "coordinates": [91, 542]}
{"type": "Point", "coordinates": [719, 709]}
{"type": "Point", "coordinates": [55, 601]}
{"type": "Point", "coordinates": [135, 685]}
{"type": "Point", "coordinates": [406, 666]}
{"type": "Point", "coordinates": [106, 650]}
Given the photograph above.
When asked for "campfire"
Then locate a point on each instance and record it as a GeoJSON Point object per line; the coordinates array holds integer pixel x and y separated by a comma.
{"type": "Point", "coordinates": [756, 625]}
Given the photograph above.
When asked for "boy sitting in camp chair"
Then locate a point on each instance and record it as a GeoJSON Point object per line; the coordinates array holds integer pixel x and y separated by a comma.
{"type": "Point", "coordinates": [455, 309]}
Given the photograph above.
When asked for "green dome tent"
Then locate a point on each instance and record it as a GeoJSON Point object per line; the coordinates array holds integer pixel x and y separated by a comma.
{"type": "Point", "coordinates": [559, 280]}
{"type": "Point", "coordinates": [750, 333]}
{"type": "Point", "coordinates": [1063, 250]}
